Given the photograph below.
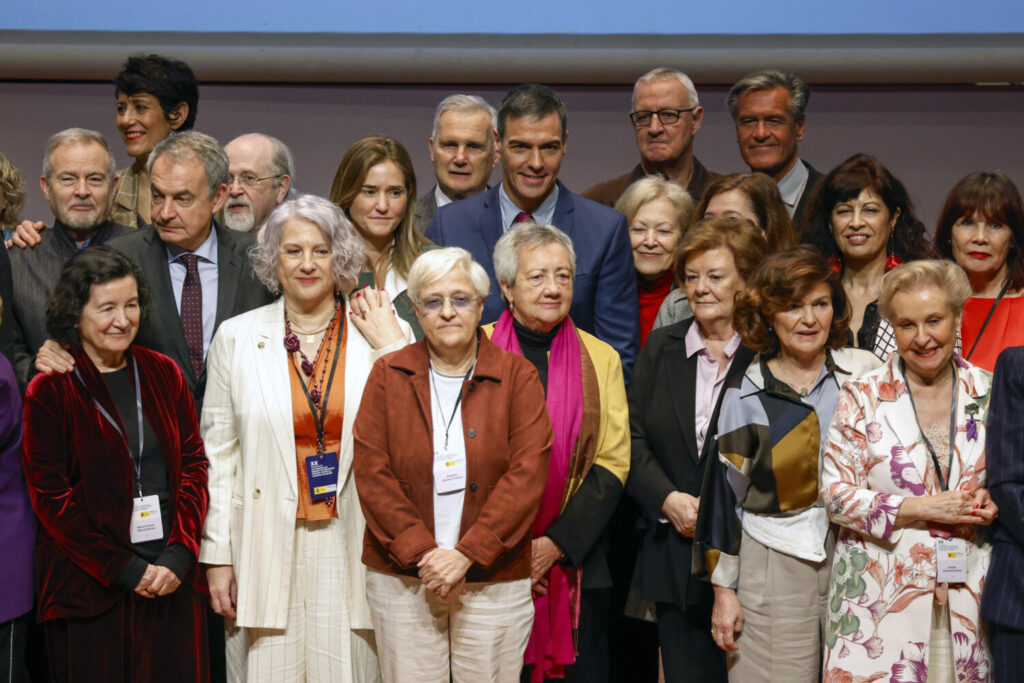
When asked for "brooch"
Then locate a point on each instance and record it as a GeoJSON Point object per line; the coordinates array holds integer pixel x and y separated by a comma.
{"type": "Point", "coordinates": [972, 425]}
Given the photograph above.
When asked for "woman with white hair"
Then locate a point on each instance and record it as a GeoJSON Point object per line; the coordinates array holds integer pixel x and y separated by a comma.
{"type": "Point", "coordinates": [586, 401]}
{"type": "Point", "coordinates": [904, 477]}
{"type": "Point", "coordinates": [451, 457]}
{"type": "Point", "coordinates": [283, 533]}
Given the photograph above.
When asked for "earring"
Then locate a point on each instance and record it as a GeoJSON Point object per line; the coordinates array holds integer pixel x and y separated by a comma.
{"type": "Point", "coordinates": [892, 260]}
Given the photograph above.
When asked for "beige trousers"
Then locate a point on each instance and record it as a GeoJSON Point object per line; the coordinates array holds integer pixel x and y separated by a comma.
{"type": "Point", "coordinates": [940, 646]}
{"type": "Point", "coordinates": [479, 636]}
{"type": "Point", "coordinates": [317, 645]}
{"type": "Point", "coordinates": [783, 600]}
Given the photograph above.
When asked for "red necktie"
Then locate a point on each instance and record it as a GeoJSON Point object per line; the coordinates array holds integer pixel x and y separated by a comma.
{"type": "Point", "coordinates": [192, 312]}
{"type": "Point", "coordinates": [523, 217]}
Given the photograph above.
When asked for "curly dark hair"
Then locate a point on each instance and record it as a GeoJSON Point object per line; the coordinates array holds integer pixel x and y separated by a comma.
{"type": "Point", "coordinates": [845, 182]}
{"type": "Point", "coordinates": [91, 266]}
{"type": "Point", "coordinates": [781, 280]}
{"type": "Point", "coordinates": [170, 81]}
{"type": "Point", "coordinates": [994, 196]}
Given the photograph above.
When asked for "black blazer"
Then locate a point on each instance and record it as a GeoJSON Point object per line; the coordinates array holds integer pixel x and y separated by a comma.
{"type": "Point", "coordinates": [813, 178]}
{"type": "Point", "coordinates": [238, 291]}
{"type": "Point", "coordinates": [665, 458]}
{"type": "Point", "coordinates": [1003, 598]}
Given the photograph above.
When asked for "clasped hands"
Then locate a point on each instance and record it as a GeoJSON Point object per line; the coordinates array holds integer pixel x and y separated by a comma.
{"type": "Point", "coordinates": [157, 581]}
{"type": "Point", "coordinates": [443, 570]}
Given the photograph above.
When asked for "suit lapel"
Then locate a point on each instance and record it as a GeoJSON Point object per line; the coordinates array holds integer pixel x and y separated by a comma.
{"type": "Point", "coordinates": [165, 307]}
{"type": "Point", "coordinates": [229, 273]}
{"type": "Point", "coordinates": [682, 379]}
{"type": "Point", "coordinates": [275, 384]}
{"type": "Point", "coordinates": [565, 212]}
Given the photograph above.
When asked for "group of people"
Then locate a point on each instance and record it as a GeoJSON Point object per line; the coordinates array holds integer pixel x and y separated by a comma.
{"type": "Point", "coordinates": [257, 435]}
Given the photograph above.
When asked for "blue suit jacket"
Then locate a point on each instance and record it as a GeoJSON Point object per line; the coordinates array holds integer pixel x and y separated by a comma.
{"type": "Point", "coordinates": [1003, 598]}
{"type": "Point", "coordinates": [604, 300]}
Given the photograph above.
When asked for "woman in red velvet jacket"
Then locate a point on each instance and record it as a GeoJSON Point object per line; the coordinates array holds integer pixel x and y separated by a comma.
{"type": "Point", "coordinates": [120, 512]}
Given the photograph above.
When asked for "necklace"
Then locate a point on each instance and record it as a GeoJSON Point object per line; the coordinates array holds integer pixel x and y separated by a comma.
{"type": "Point", "coordinates": [292, 345]}
{"type": "Point", "coordinates": [801, 388]}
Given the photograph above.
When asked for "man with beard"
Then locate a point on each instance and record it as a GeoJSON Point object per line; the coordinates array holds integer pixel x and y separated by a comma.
{"type": "Point", "coordinates": [78, 181]}
{"type": "Point", "coordinates": [261, 170]}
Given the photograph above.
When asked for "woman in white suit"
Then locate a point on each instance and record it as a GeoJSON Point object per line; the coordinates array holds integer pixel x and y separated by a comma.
{"type": "Point", "coordinates": [284, 531]}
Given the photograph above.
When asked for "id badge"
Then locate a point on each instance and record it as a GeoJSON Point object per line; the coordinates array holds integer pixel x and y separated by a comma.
{"type": "Point", "coordinates": [146, 522]}
{"type": "Point", "coordinates": [322, 475]}
{"type": "Point", "coordinates": [951, 554]}
{"type": "Point", "coordinates": [449, 472]}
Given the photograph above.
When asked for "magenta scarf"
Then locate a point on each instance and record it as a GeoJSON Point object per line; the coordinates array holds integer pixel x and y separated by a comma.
{"type": "Point", "coordinates": [556, 614]}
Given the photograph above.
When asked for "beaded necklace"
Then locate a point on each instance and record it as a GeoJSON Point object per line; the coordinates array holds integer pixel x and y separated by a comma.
{"type": "Point", "coordinates": [291, 345]}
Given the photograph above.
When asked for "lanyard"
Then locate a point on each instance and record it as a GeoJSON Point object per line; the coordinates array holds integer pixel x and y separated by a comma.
{"type": "Point", "coordinates": [1002, 293]}
{"type": "Point", "coordinates": [448, 421]}
{"type": "Point", "coordinates": [136, 462]}
{"type": "Point", "coordinates": [319, 418]}
{"type": "Point", "coordinates": [952, 433]}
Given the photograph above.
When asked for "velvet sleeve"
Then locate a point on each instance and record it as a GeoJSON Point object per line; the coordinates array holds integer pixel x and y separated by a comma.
{"type": "Point", "coordinates": [58, 502]}
{"type": "Point", "coordinates": [508, 514]}
{"type": "Point", "coordinates": [192, 496]}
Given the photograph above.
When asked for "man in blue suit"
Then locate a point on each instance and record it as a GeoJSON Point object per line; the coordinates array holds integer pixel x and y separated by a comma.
{"type": "Point", "coordinates": [531, 138]}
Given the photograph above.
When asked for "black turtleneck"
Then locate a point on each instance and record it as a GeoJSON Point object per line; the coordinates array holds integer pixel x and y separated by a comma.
{"type": "Point", "coordinates": [535, 346]}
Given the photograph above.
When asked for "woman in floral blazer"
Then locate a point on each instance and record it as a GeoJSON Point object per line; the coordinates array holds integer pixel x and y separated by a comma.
{"type": "Point", "coordinates": [900, 487]}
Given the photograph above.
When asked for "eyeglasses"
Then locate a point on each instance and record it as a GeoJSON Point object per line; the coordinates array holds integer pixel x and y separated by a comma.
{"type": "Point", "coordinates": [460, 302]}
{"type": "Point", "coordinates": [668, 117]}
{"type": "Point", "coordinates": [248, 179]}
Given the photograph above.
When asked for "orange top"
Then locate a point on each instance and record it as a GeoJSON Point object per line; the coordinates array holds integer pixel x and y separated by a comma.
{"type": "Point", "coordinates": [305, 426]}
{"type": "Point", "coordinates": [1004, 329]}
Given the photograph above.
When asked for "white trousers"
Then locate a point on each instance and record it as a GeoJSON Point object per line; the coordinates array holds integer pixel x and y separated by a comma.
{"type": "Point", "coordinates": [479, 636]}
{"type": "Point", "coordinates": [317, 644]}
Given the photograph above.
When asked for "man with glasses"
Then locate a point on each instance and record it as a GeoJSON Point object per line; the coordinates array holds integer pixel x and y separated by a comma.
{"type": "Point", "coordinates": [666, 115]}
{"type": "Point", "coordinates": [261, 170]}
{"type": "Point", "coordinates": [768, 108]}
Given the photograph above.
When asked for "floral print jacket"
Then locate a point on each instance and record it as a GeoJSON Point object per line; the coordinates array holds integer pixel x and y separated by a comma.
{"type": "Point", "coordinates": [882, 585]}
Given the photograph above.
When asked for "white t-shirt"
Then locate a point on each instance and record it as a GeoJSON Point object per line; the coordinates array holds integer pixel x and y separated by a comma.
{"type": "Point", "coordinates": [444, 392]}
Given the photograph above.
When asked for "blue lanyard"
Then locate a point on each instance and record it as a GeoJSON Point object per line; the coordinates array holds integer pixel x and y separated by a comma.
{"type": "Point", "coordinates": [136, 462]}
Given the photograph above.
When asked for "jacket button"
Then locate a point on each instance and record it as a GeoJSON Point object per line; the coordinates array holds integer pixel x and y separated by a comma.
{"type": "Point", "coordinates": [472, 386]}
{"type": "Point", "coordinates": [260, 345]}
{"type": "Point", "coordinates": [255, 493]}
{"type": "Point", "coordinates": [472, 486]}
{"type": "Point", "coordinates": [471, 433]}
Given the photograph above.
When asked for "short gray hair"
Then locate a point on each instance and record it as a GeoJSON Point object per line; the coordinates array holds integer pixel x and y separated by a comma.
{"type": "Point", "coordinates": [664, 73]}
{"type": "Point", "coordinates": [461, 102]}
{"type": "Point", "coordinates": [181, 147]}
{"type": "Point", "coordinates": [654, 187]}
{"type": "Point", "coordinates": [347, 254]}
{"type": "Point", "coordinates": [531, 236]}
{"type": "Point", "coordinates": [77, 136]}
{"type": "Point", "coordinates": [768, 79]}
{"type": "Point", "coordinates": [281, 162]}
{"type": "Point", "coordinates": [940, 273]}
{"type": "Point", "coordinates": [434, 264]}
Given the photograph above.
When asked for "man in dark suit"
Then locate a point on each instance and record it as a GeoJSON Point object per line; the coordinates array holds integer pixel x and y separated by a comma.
{"type": "Point", "coordinates": [666, 117]}
{"type": "Point", "coordinates": [769, 108]}
{"type": "Point", "coordinates": [1002, 602]}
{"type": "Point", "coordinates": [462, 150]}
{"type": "Point", "coordinates": [78, 181]}
{"type": "Point", "coordinates": [531, 137]}
{"type": "Point", "coordinates": [199, 274]}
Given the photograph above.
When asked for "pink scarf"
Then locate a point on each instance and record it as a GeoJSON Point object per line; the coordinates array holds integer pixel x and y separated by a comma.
{"type": "Point", "coordinates": [556, 614]}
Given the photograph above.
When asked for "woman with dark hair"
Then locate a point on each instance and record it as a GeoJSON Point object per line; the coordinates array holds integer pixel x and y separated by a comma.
{"type": "Point", "coordinates": [156, 96]}
{"type": "Point", "coordinates": [376, 186]}
{"type": "Point", "coordinates": [117, 475]}
{"type": "Point", "coordinates": [678, 382]}
{"type": "Point", "coordinates": [862, 221]}
{"type": "Point", "coordinates": [982, 229]}
{"type": "Point", "coordinates": [759, 513]}
{"type": "Point", "coordinates": [754, 196]}
{"type": "Point", "coordinates": [751, 196]}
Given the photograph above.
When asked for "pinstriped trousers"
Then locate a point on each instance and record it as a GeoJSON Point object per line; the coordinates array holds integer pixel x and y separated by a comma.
{"type": "Point", "coordinates": [422, 638]}
{"type": "Point", "coordinates": [317, 645]}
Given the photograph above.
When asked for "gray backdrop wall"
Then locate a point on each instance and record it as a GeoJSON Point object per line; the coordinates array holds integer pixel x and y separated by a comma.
{"type": "Point", "coordinates": [930, 136]}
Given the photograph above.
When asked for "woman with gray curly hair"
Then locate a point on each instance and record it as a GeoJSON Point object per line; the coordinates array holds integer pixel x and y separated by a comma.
{"type": "Point", "coordinates": [285, 381]}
